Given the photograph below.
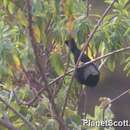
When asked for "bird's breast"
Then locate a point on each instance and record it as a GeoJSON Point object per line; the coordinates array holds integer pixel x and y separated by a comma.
{"type": "Point", "coordinates": [88, 75]}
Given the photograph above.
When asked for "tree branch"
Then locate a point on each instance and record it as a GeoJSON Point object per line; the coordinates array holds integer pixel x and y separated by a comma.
{"type": "Point", "coordinates": [50, 97]}
{"type": "Point", "coordinates": [30, 126]}
{"type": "Point", "coordinates": [3, 87]}
{"type": "Point", "coordinates": [87, 5]}
{"type": "Point", "coordinates": [67, 95]}
{"type": "Point", "coordinates": [119, 96]}
{"type": "Point", "coordinates": [102, 63]}
{"type": "Point", "coordinates": [7, 125]}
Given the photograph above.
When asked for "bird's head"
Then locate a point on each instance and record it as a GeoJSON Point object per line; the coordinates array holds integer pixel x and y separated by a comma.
{"type": "Point", "coordinates": [71, 44]}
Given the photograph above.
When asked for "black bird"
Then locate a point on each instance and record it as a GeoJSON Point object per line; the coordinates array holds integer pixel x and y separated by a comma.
{"type": "Point", "coordinates": [87, 75]}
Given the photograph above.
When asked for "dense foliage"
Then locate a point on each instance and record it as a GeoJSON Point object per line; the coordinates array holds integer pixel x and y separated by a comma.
{"type": "Point", "coordinates": [52, 23]}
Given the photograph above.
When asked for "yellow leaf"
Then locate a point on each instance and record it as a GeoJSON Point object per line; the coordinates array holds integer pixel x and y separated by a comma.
{"type": "Point", "coordinates": [20, 16]}
{"type": "Point", "coordinates": [56, 63]}
{"type": "Point", "coordinates": [89, 52]}
{"type": "Point", "coordinates": [11, 7]}
{"type": "Point", "coordinates": [37, 33]}
{"type": "Point", "coordinates": [70, 24]}
{"type": "Point", "coordinates": [17, 62]}
{"type": "Point", "coordinates": [53, 7]}
{"type": "Point", "coordinates": [68, 7]}
{"type": "Point", "coordinates": [56, 48]}
{"type": "Point", "coordinates": [69, 112]}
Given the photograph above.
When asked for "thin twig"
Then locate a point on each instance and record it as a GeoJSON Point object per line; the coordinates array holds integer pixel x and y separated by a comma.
{"type": "Point", "coordinates": [62, 80]}
{"type": "Point", "coordinates": [119, 96]}
{"type": "Point", "coordinates": [18, 114]}
{"type": "Point", "coordinates": [102, 63]}
{"type": "Point", "coordinates": [3, 87]}
{"type": "Point", "coordinates": [67, 95]}
{"type": "Point", "coordinates": [7, 125]}
{"type": "Point", "coordinates": [48, 24]}
{"type": "Point", "coordinates": [87, 4]}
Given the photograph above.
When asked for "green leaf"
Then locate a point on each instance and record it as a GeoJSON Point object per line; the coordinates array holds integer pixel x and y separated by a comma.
{"type": "Point", "coordinates": [52, 125]}
{"type": "Point", "coordinates": [42, 108]}
{"type": "Point", "coordinates": [56, 63]}
{"type": "Point", "coordinates": [98, 113]}
{"type": "Point", "coordinates": [5, 2]}
{"type": "Point", "coordinates": [20, 16]}
{"type": "Point", "coordinates": [127, 32]}
{"type": "Point", "coordinates": [111, 65]}
{"type": "Point", "coordinates": [11, 7]}
{"type": "Point", "coordinates": [3, 70]}
{"type": "Point", "coordinates": [71, 116]}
